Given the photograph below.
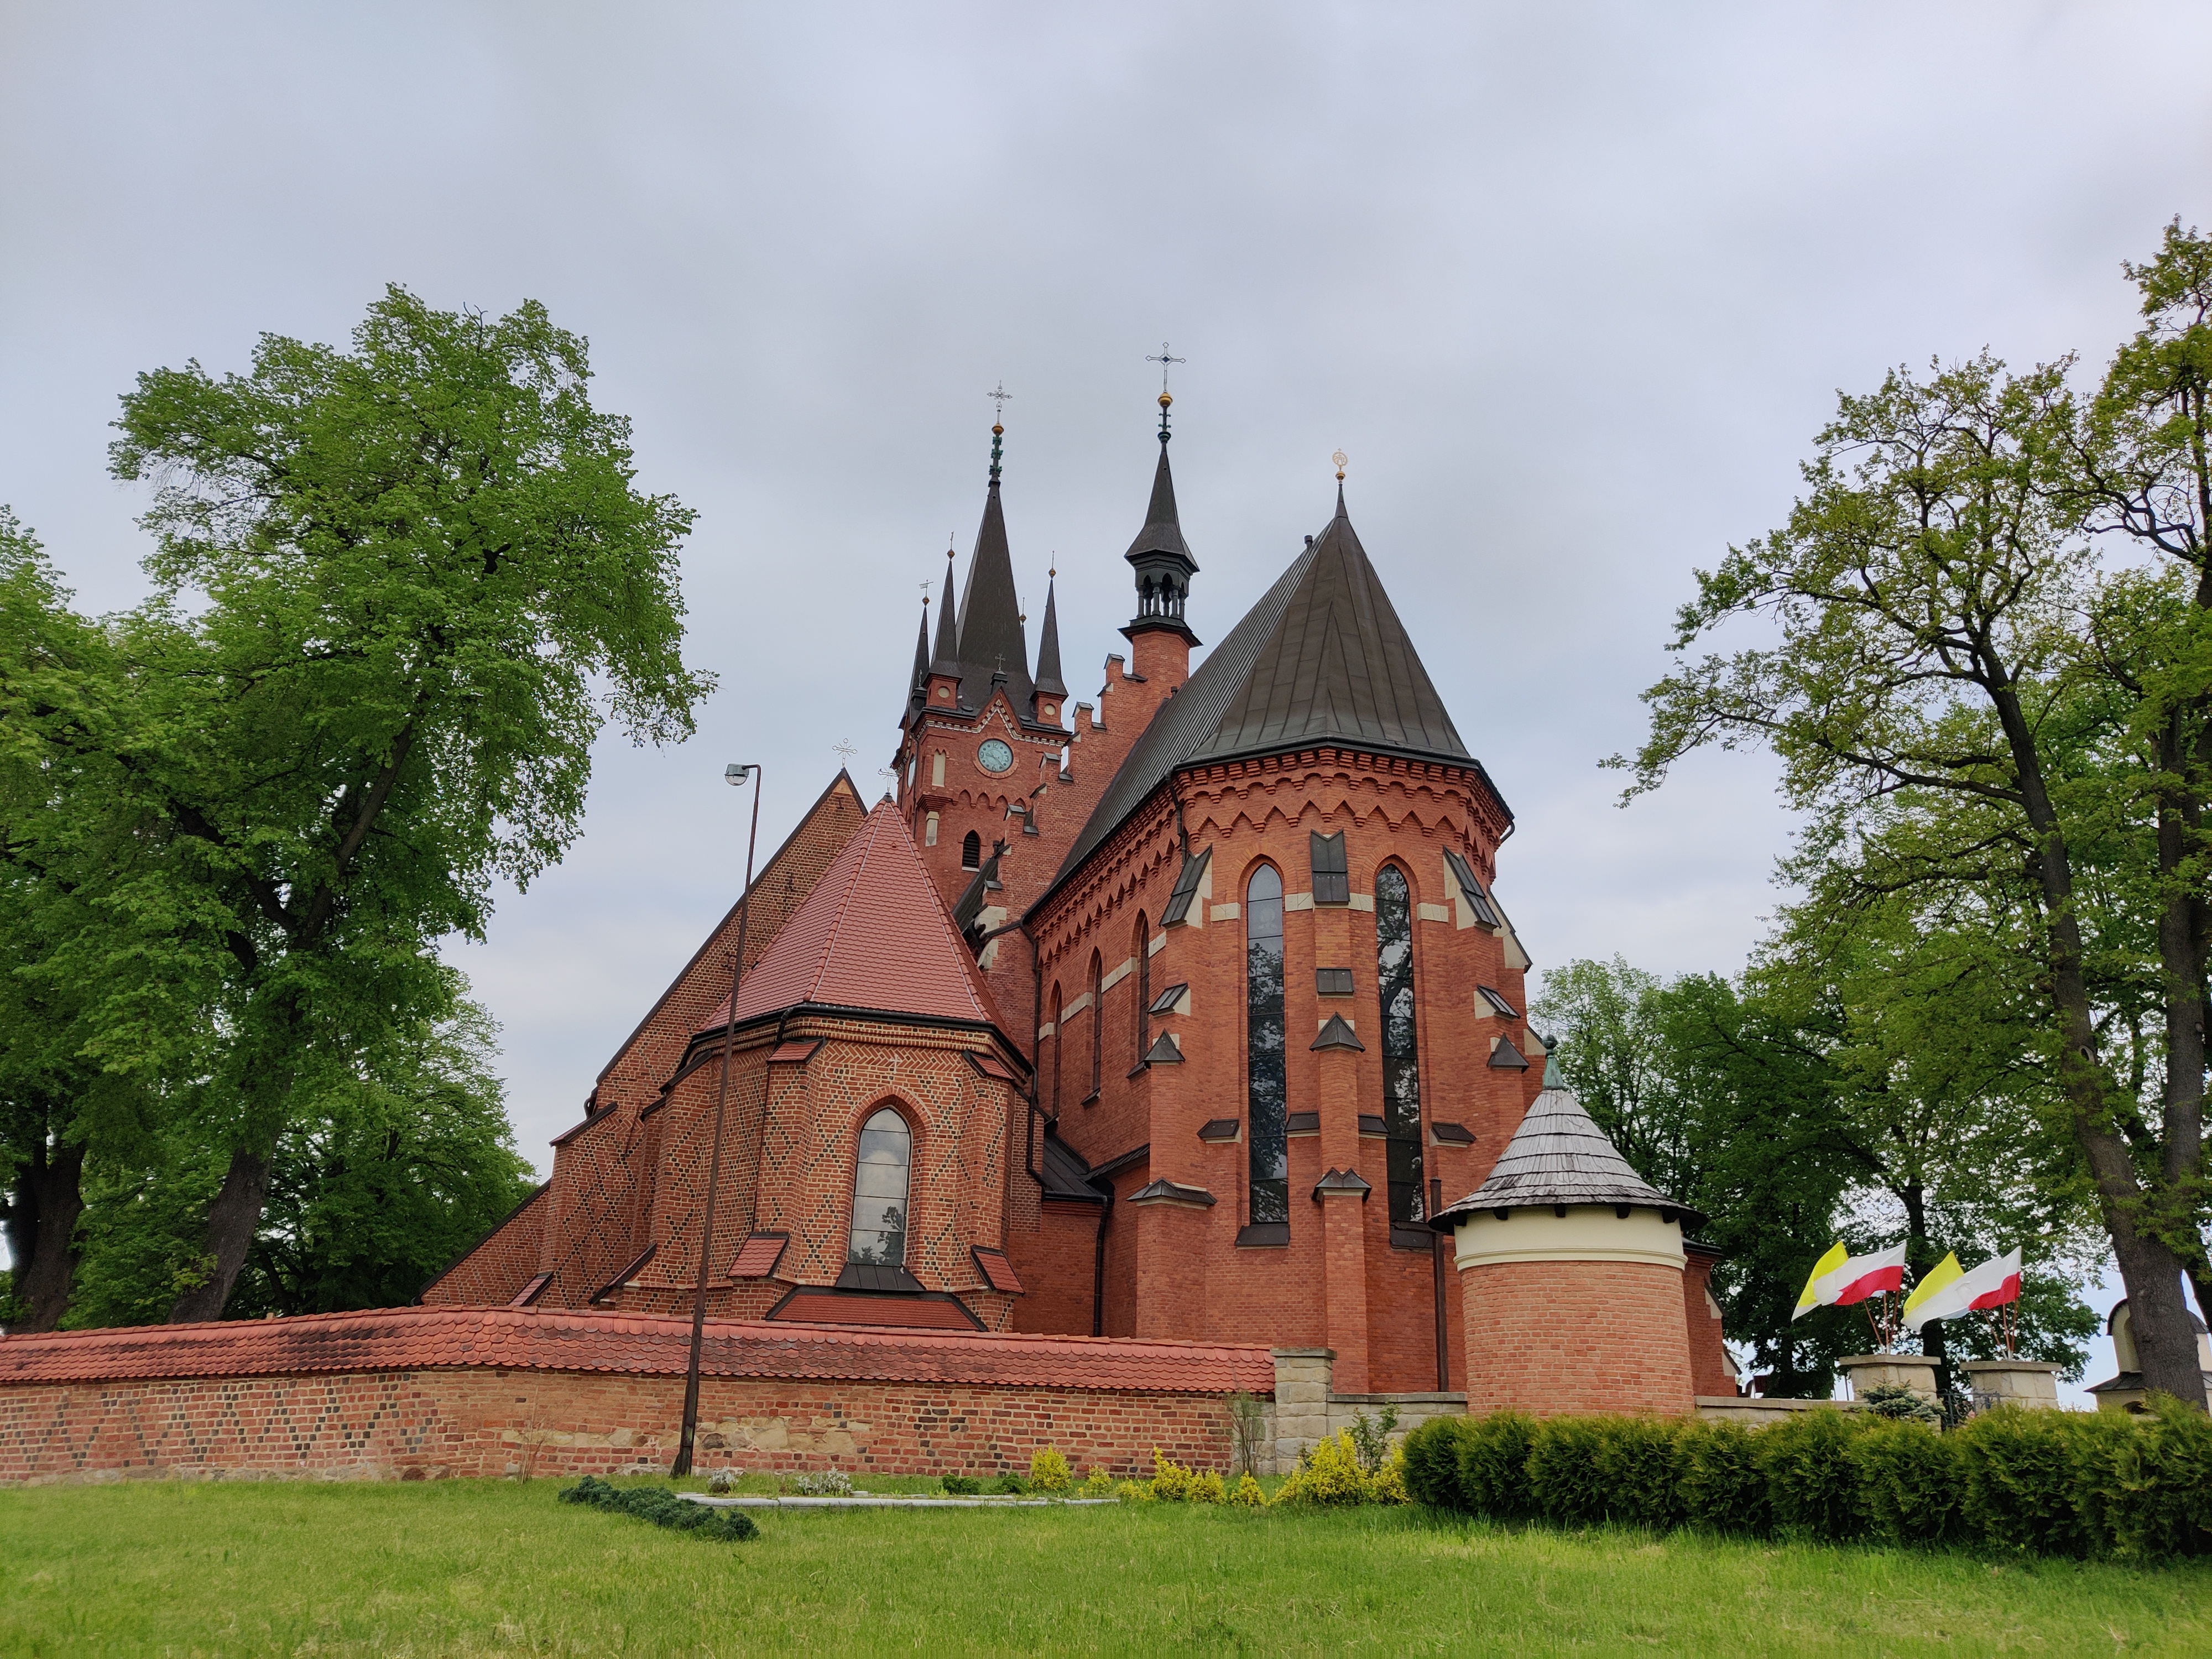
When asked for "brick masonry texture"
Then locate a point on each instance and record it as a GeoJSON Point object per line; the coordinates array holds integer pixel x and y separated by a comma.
{"type": "Point", "coordinates": [1554, 1337]}
{"type": "Point", "coordinates": [412, 1393]}
{"type": "Point", "coordinates": [1709, 1369]}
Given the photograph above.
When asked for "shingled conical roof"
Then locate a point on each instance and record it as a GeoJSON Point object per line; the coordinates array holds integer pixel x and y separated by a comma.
{"type": "Point", "coordinates": [1048, 669]}
{"type": "Point", "coordinates": [1558, 1155]}
{"type": "Point", "coordinates": [1322, 658]}
{"type": "Point", "coordinates": [1163, 531]}
{"type": "Point", "coordinates": [991, 640]}
{"type": "Point", "coordinates": [873, 935]}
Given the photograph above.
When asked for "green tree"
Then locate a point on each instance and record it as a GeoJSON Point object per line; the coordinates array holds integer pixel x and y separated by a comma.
{"type": "Point", "coordinates": [1927, 688]}
{"type": "Point", "coordinates": [401, 588]}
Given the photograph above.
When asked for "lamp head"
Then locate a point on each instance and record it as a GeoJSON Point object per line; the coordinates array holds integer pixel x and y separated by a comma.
{"type": "Point", "coordinates": [735, 774]}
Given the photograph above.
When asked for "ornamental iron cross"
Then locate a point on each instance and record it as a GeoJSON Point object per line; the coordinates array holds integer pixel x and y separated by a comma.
{"type": "Point", "coordinates": [1163, 359]}
{"type": "Point", "coordinates": [1001, 397]}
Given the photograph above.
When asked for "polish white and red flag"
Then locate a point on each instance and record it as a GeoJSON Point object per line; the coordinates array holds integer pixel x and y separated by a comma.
{"type": "Point", "coordinates": [1840, 1279]}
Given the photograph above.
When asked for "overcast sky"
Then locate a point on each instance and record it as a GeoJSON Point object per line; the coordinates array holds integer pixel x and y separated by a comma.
{"type": "Point", "coordinates": [1573, 286]}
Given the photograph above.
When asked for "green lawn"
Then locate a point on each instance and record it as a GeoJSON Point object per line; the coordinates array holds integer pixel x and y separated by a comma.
{"type": "Point", "coordinates": [469, 1567]}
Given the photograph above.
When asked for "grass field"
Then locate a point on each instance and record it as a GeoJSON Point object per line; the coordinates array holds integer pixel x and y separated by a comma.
{"type": "Point", "coordinates": [485, 1567]}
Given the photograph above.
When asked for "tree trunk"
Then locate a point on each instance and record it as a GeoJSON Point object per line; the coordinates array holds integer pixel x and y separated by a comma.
{"type": "Point", "coordinates": [233, 1219]}
{"type": "Point", "coordinates": [2157, 1314]}
{"type": "Point", "coordinates": [1918, 1252]}
{"type": "Point", "coordinates": [49, 1199]}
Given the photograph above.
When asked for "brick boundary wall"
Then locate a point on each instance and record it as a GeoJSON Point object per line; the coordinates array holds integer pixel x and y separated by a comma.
{"type": "Point", "coordinates": [416, 1394]}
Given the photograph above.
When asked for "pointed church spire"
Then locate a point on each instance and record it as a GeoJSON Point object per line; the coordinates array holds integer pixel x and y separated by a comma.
{"type": "Point", "coordinates": [1048, 683]}
{"type": "Point", "coordinates": [1160, 555]}
{"type": "Point", "coordinates": [947, 659]}
{"type": "Point", "coordinates": [991, 637]}
{"type": "Point", "coordinates": [919, 689]}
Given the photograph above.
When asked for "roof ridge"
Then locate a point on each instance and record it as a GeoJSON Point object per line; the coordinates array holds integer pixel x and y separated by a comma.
{"type": "Point", "coordinates": [869, 830]}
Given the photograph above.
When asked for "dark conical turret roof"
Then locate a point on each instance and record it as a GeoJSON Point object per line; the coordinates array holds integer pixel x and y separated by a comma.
{"type": "Point", "coordinates": [920, 651]}
{"type": "Point", "coordinates": [1322, 658]}
{"type": "Point", "coordinates": [1163, 531]}
{"type": "Point", "coordinates": [1047, 668]}
{"type": "Point", "coordinates": [991, 636]}
{"type": "Point", "coordinates": [1559, 1156]}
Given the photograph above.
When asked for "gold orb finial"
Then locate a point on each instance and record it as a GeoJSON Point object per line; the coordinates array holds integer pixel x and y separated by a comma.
{"type": "Point", "coordinates": [1340, 458]}
{"type": "Point", "coordinates": [1165, 400]}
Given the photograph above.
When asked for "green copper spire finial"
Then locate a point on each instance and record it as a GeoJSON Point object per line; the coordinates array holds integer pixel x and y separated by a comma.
{"type": "Point", "coordinates": [999, 396]}
{"type": "Point", "coordinates": [1554, 1076]}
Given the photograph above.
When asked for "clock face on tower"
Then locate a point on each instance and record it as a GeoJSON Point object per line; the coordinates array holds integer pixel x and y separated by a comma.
{"type": "Point", "coordinates": [994, 757]}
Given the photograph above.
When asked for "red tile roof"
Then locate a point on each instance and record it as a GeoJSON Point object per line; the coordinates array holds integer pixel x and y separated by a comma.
{"type": "Point", "coordinates": [910, 1313]}
{"type": "Point", "coordinates": [872, 934]}
{"type": "Point", "coordinates": [555, 1339]}
{"type": "Point", "coordinates": [999, 1271]}
{"type": "Point", "coordinates": [757, 1259]}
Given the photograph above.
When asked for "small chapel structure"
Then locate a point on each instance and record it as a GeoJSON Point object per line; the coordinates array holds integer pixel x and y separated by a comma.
{"type": "Point", "coordinates": [1190, 1011]}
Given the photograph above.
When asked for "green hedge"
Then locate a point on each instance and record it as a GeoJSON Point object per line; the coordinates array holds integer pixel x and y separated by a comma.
{"type": "Point", "coordinates": [664, 1509]}
{"type": "Point", "coordinates": [2046, 1482]}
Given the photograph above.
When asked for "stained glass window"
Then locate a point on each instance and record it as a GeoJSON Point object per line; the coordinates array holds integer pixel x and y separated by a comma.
{"type": "Point", "coordinates": [1268, 1093]}
{"type": "Point", "coordinates": [879, 1190]}
{"type": "Point", "coordinates": [1401, 1074]}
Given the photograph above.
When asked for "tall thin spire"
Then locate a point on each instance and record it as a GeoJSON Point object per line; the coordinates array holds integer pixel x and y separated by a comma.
{"type": "Point", "coordinates": [991, 636]}
{"type": "Point", "coordinates": [947, 659]}
{"type": "Point", "coordinates": [1160, 555]}
{"type": "Point", "coordinates": [1047, 669]}
{"type": "Point", "coordinates": [921, 650]}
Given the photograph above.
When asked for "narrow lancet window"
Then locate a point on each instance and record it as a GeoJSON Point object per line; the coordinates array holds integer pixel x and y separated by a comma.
{"type": "Point", "coordinates": [879, 1191]}
{"type": "Point", "coordinates": [1267, 1091]}
{"type": "Point", "coordinates": [1401, 1074]}
{"type": "Point", "coordinates": [1141, 1036]}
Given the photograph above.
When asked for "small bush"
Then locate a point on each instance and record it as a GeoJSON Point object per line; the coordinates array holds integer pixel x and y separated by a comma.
{"type": "Point", "coordinates": [723, 1482]}
{"type": "Point", "coordinates": [828, 1483]}
{"type": "Point", "coordinates": [1135, 1491]}
{"type": "Point", "coordinates": [1897, 1400]}
{"type": "Point", "coordinates": [1564, 1474]}
{"type": "Point", "coordinates": [1638, 1459]}
{"type": "Point", "coordinates": [1387, 1484]}
{"type": "Point", "coordinates": [1097, 1483]}
{"type": "Point", "coordinates": [1431, 1455]}
{"type": "Point", "coordinates": [664, 1509]}
{"type": "Point", "coordinates": [1371, 1438]}
{"type": "Point", "coordinates": [1327, 1476]}
{"type": "Point", "coordinates": [2167, 1508]}
{"type": "Point", "coordinates": [961, 1486]}
{"type": "Point", "coordinates": [1248, 1494]}
{"type": "Point", "coordinates": [1908, 1476]}
{"type": "Point", "coordinates": [1811, 1488]}
{"type": "Point", "coordinates": [1723, 1487]}
{"type": "Point", "coordinates": [1171, 1482]}
{"type": "Point", "coordinates": [1049, 1471]}
{"type": "Point", "coordinates": [1493, 1466]}
{"type": "Point", "coordinates": [1205, 1487]}
{"type": "Point", "coordinates": [1009, 1485]}
{"type": "Point", "coordinates": [2027, 1472]}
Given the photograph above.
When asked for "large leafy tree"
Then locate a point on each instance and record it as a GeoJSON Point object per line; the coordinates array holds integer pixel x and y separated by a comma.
{"type": "Point", "coordinates": [401, 588]}
{"type": "Point", "coordinates": [1955, 684]}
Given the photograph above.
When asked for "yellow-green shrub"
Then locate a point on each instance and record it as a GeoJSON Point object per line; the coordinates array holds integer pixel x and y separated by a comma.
{"type": "Point", "coordinates": [1248, 1494]}
{"type": "Point", "coordinates": [1170, 1480]}
{"type": "Point", "coordinates": [1387, 1484]}
{"type": "Point", "coordinates": [1329, 1476]}
{"type": "Point", "coordinates": [1049, 1470]}
{"type": "Point", "coordinates": [1133, 1491]}
{"type": "Point", "coordinates": [1097, 1483]}
{"type": "Point", "coordinates": [1204, 1488]}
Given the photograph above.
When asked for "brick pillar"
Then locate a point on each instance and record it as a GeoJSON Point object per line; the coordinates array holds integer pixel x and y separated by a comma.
{"type": "Point", "coordinates": [1342, 1195]}
{"type": "Point", "coordinates": [1169, 1220]}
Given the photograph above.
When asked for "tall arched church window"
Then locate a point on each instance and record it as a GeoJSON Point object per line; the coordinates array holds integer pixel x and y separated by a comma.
{"type": "Point", "coordinates": [1097, 1024]}
{"type": "Point", "coordinates": [879, 1191]}
{"type": "Point", "coordinates": [1059, 1043]}
{"type": "Point", "coordinates": [1140, 1028]}
{"type": "Point", "coordinates": [971, 851]}
{"type": "Point", "coordinates": [1267, 1092]}
{"type": "Point", "coordinates": [1401, 1071]}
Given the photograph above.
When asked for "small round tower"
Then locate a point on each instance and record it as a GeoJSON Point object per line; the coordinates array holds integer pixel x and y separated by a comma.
{"type": "Point", "coordinates": [1571, 1274]}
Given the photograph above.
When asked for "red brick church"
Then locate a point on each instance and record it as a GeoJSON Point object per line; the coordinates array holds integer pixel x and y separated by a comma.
{"type": "Point", "coordinates": [1190, 1012]}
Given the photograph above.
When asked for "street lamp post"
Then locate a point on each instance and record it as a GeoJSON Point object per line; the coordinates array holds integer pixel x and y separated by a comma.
{"type": "Point", "coordinates": [738, 776]}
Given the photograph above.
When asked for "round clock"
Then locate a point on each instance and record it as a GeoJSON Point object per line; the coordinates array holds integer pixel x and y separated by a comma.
{"type": "Point", "coordinates": [994, 757]}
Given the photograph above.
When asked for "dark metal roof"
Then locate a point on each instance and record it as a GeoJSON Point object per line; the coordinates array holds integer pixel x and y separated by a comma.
{"type": "Point", "coordinates": [1048, 669]}
{"type": "Point", "coordinates": [991, 640]}
{"type": "Point", "coordinates": [1558, 1155]}
{"type": "Point", "coordinates": [1066, 1173]}
{"type": "Point", "coordinates": [1163, 531]}
{"type": "Point", "coordinates": [1322, 658]}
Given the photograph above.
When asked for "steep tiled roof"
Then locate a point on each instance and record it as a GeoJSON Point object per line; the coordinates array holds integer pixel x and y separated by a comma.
{"type": "Point", "coordinates": [1322, 658]}
{"type": "Point", "coordinates": [1558, 1155]}
{"type": "Point", "coordinates": [872, 934]}
{"type": "Point", "coordinates": [530, 1339]}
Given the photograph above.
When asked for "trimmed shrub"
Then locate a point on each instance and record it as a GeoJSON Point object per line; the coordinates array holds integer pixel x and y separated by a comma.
{"type": "Point", "coordinates": [664, 1509]}
{"type": "Point", "coordinates": [1639, 1463]}
{"type": "Point", "coordinates": [1329, 1476]}
{"type": "Point", "coordinates": [1248, 1494]}
{"type": "Point", "coordinates": [961, 1486]}
{"type": "Point", "coordinates": [1811, 1488]}
{"type": "Point", "coordinates": [1909, 1477]}
{"type": "Point", "coordinates": [1135, 1491]}
{"type": "Point", "coordinates": [1723, 1487]}
{"type": "Point", "coordinates": [2029, 1472]}
{"type": "Point", "coordinates": [1493, 1465]}
{"type": "Point", "coordinates": [1431, 1453]}
{"type": "Point", "coordinates": [1563, 1469]}
{"type": "Point", "coordinates": [1171, 1482]}
{"type": "Point", "coordinates": [1098, 1484]}
{"type": "Point", "coordinates": [1049, 1470]}
{"type": "Point", "coordinates": [2173, 1503]}
{"type": "Point", "coordinates": [1205, 1487]}
{"type": "Point", "coordinates": [1387, 1484]}
{"type": "Point", "coordinates": [1009, 1485]}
